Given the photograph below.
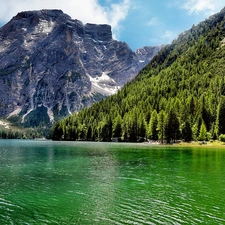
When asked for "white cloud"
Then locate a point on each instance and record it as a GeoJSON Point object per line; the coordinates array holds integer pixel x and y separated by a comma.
{"type": "Point", "coordinates": [88, 11]}
{"type": "Point", "coordinates": [154, 21]}
{"type": "Point", "coordinates": [163, 37]}
{"type": "Point", "coordinates": [117, 13]}
{"type": "Point", "coordinates": [207, 6]}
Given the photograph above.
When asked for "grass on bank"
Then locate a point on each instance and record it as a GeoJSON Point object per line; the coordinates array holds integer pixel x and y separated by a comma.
{"type": "Point", "coordinates": [202, 143]}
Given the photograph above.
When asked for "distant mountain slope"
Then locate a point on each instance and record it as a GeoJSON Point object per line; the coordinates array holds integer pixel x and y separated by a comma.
{"type": "Point", "coordinates": [180, 94]}
{"type": "Point", "coordinates": [51, 66]}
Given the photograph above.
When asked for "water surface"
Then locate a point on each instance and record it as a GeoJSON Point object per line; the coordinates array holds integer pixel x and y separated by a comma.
{"type": "Point", "coordinates": [45, 182]}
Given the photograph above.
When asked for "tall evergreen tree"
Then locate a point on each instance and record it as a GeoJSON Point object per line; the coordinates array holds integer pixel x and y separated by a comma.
{"type": "Point", "coordinates": [152, 128]}
{"type": "Point", "coordinates": [117, 127]}
{"type": "Point", "coordinates": [203, 132]}
{"type": "Point", "coordinates": [186, 131]}
{"type": "Point", "coordinates": [172, 127]}
{"type": "Point", "coordinates": [195, 132]}
{"type": "Point", "coordinates": [220, 121]}
{"type": "Point", "coordinates": [161, 125]}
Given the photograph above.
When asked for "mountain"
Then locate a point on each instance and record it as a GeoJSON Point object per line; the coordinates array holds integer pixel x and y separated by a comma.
{"type": "Point", "coordinates": [180, 94]}
{"type": "Point", "coordinates": [52, 65]}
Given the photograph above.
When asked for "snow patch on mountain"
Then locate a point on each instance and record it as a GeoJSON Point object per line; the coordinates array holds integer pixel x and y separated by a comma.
{"type": "Point", "coordinates": [104, 85]}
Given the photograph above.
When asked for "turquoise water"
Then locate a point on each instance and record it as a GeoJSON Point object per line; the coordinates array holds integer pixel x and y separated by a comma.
{"type": "Point", "coordinates": [45, 182]}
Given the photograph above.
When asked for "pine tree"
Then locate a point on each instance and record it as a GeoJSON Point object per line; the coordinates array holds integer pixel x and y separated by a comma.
{"type": "Point", "coordinates": [195, 132]}
{"type": "Point", "coordinates": [203, 132]}
{"type": "Point", "coordinates": [220, 121]}
{"type": "Point", "coordinates": [161, 125]}
{"type": "Point", "coordinates": [152, 128]}
{"type": "Point", "coordinates": [117, 127]}
{"type": "Point", "coordinates": [186, 131]}
{"type": "Point", "coordinates": [172, 127]}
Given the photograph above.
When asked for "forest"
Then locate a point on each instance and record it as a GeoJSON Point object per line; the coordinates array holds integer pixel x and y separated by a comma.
{"type": "Point", "coordinates": [10, 131]}
{"type": "Point", "coordinates": [179, 95]}
{"type": "Point", "coordinates": [6, 133]}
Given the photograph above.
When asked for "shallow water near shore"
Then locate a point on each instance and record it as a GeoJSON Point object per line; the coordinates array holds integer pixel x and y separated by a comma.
{"type": "Point", "coordinates": [45, 182]}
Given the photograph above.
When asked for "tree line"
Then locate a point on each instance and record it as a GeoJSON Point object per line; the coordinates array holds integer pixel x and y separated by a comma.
{"type": "Point", "coordinates": [21, 133]}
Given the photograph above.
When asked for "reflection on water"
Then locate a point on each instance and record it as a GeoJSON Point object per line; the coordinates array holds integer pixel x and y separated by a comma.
{"type": "Point", "coordinates": [44, 182]}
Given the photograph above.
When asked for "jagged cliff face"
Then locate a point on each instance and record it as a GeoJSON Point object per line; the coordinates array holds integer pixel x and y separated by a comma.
{"type": "Point", "coordinates": [51, 65]}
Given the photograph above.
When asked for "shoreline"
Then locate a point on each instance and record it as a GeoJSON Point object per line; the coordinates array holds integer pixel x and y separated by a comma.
{"type": "Point", "coordinates": [215, 143]}
{"type": "Point", "coordinates": [202, 144]}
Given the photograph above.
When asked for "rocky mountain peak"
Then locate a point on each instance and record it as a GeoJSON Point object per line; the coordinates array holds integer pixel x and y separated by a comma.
{"type": "Point", "coordinates": [99, 32]}
{"type": "Point", "coordinates": [52, 65]}
{"type": "Point", "coordinates": [42, 14]}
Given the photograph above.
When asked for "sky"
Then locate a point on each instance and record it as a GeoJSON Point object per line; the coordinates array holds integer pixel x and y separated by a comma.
{"type": "Point", "coordinates": [137, 22]}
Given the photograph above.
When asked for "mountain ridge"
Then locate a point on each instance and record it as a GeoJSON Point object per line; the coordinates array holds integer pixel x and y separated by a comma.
{"type": "Point", "coordinates": [52, 65]}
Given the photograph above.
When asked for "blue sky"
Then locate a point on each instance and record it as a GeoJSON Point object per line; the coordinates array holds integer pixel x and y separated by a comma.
{"type": "Point", "coordinates": [137, 22]}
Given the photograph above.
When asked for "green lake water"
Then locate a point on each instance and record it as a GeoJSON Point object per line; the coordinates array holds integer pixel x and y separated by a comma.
{"type": "Point", "coordinates": [45, 182]}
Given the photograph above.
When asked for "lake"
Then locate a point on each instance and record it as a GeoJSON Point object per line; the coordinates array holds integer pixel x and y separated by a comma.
{"type": "Point", "coordinates": [45, 182]}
